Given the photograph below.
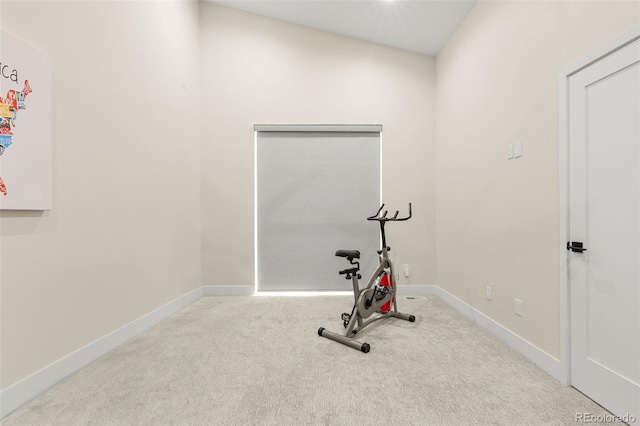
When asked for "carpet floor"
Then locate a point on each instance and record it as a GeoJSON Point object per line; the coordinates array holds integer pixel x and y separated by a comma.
{"type": "Point", "coordinates": [251, 360]}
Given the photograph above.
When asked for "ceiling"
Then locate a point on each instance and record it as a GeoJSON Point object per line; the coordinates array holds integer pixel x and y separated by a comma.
{"type": "Point", "coordinates": [421, 26]}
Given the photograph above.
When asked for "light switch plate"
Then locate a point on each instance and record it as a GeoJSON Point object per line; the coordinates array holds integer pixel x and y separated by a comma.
{"type": "Point", "coordinates": [509, 152]}
{"type": "Point", "coordinates": [517, 149]}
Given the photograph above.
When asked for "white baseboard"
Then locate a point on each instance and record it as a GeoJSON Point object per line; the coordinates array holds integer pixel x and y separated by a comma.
{"type": "Point", "coordinates": [534, 354]}
{"type": "Point", "coordinates": [248, 290]}
{"type": "Point", "coordinates": [25, 390]}
{"type": "Point", "coordinates": [228, 290]}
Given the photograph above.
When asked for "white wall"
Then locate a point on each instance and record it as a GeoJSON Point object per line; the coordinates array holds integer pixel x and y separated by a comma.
{"type": "Point", "coordinates": [124, 234]}
{"type": "Point", "coordinates": [258, 70]}
{"type": "Point", "coordinates": [133, 156]}
{"type": "Point", "coordinates": [497, 220]}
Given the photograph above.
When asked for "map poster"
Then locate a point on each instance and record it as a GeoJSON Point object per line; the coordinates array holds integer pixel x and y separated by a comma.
{"type": "Point", "coordinates": [25, 126]}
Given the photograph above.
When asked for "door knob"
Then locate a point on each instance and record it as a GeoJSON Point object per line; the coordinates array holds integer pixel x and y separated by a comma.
{"type": "Point", "coordinates": [576, 247]}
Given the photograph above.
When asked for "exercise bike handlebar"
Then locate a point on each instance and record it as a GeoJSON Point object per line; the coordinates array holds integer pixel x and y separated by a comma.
{"type": "Point", "coordinates": [384, 218]}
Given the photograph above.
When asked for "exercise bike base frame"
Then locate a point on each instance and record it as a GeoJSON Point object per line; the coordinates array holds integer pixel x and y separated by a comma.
{"type": "Point", "coordinates": [361, 346]}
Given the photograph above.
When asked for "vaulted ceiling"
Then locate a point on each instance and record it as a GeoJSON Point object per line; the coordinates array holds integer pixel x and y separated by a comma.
{"type": "Point", "coordinates": [421, 26]}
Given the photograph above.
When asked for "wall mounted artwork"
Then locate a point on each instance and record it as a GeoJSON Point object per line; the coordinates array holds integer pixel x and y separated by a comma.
{"type": "Point", "coordinates": [25, 126]}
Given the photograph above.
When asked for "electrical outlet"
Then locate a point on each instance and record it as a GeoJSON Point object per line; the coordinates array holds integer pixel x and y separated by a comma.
{"type": "Point", "coordinates": [489, 295]}
{"type": "Point", "coordinates": [406, 269]}
{"type": "Point", "coordinates": [518, 307]}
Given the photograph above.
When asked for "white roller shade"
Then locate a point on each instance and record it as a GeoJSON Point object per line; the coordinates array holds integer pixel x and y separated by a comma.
{"type": "Point", "coordinates": [314, 192]}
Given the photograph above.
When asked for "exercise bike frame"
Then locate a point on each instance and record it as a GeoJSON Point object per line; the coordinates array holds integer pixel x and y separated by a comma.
{"type": "Point", "coordinates": [366, 302]}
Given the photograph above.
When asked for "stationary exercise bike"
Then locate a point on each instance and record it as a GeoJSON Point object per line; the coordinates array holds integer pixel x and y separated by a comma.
{"type": "Point", "coordinates": [378, 299]}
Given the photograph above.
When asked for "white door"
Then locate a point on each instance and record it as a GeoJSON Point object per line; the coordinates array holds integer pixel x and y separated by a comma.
{"type": "Point", "coordinates": [604, 214]}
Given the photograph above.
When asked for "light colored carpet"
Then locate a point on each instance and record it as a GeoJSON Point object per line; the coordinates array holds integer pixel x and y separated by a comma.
{"type": "Point", "coordinates": [259, 361]}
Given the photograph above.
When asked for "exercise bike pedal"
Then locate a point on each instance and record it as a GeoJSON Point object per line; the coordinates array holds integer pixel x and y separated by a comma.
{"type": "Point", "coordinates": [345, 319]}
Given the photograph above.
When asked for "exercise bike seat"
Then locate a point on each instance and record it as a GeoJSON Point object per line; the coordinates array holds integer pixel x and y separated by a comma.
{"type": "Point", "coordinates": [349, 254]}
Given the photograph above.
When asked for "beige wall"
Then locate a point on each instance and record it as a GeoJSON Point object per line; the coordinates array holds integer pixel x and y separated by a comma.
{"type": "Point", "coordinates": [165, 204]}
{"type": "Point", "coordinates": [497, 220]}
{"type": "Point", "coordinates": [258, 70]}
{"type": "Point", "coordinates": [123, 237]}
